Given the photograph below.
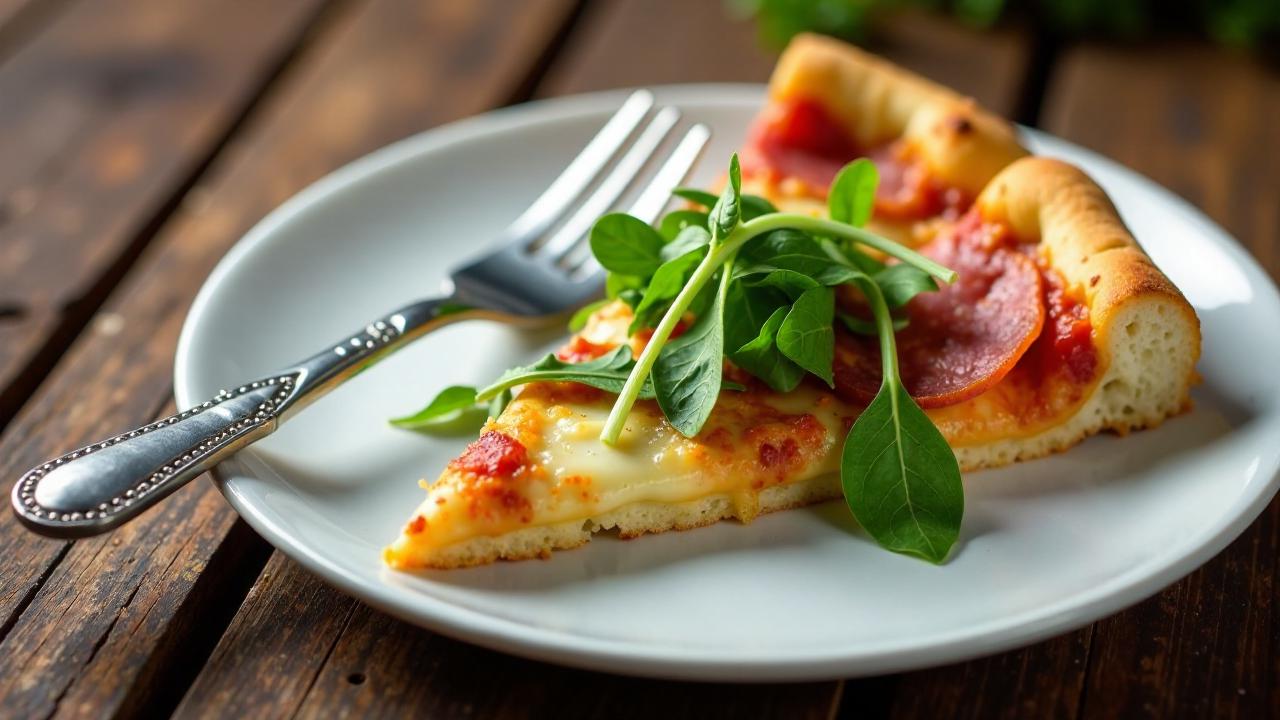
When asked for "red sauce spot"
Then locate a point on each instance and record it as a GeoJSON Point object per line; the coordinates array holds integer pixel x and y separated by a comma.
{"type": "Point", "coordinates": [644, 335]}
{"type": "Point", "coordinates": [798, 138]}
{"type": "Point", "coordinates": [907, 191]}
{"type": "Point", "coordinates": [493, 454]}
{"type": "Point", "coordinates": [1068, 327]}
{"type": "Point", "coordinates": [416, 525]}
{"type": "Point", "coordinates": [771, 455]}
{"type": "Point", "coordinates": [581, 350]}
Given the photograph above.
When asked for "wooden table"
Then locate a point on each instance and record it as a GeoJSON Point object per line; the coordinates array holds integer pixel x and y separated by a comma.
{"type": "Point", "coordinates": [140, 138]}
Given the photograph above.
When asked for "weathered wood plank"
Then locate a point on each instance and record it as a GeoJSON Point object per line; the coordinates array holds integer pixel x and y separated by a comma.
{"type": "Point", "coordinates": [381, 667]}
{"type": "Point", "coordinates": [122, 617]}
{"type": "Point", "coordinates": [615, 46]}
{"type": "Point", "coordinates": [1203, 123]}
{"type": "Point", "coordinates": [379, 71]}
{"type": "Point", "coordinates": [107, 114]}
{"type": "Point", "coordinates": [64, 203]}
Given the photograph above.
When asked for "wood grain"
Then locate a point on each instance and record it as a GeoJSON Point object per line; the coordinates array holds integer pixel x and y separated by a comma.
{"type": "Point", "coordinates": [383, 70]}
{"type": "Point", "coordinates": [1202, 122]}
{"type": "Point", "coordinates": [624, 43]}
{"type": "Point", "coordinates": [381, 667]}
{"type": "Point", "coordinates": [107, 114]}
{"type": "Point", "coordinates": [124, 620]}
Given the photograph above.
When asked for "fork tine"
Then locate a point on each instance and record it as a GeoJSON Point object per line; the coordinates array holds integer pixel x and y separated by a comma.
{"type": "Point", "coordinates": [655, 197]}
{"type": "Point", "coordinates": [673, 172]}
{"type": "Point", "coordinates": [564, 190]}
{"type": "Point", "coordinates": [612, 187]}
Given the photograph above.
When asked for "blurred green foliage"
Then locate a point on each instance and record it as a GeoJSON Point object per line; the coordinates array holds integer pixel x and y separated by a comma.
{"type": "Point", "coordinates": [1239, 23]}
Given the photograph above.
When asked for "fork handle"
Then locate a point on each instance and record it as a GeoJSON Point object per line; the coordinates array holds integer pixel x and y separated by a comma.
{"type": "Point", "coordinates": [105, 484]}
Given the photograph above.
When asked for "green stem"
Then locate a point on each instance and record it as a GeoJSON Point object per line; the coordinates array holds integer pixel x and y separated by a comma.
{"type": "Point", "coordinates": [724, 251]}
{"type": "Point", "coordinates": [884, 329]}
{"type": "Point", "coordinates": [778, 221]}
{"type": "Point", "coordinates": [635, 381]}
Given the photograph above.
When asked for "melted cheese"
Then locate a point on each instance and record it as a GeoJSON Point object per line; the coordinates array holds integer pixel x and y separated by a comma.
{"type": "Point", "coordinates": [753, 441]}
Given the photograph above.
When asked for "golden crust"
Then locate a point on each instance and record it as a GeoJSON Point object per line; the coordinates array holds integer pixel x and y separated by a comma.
{"type": "Point", "coordinates": [962, 144]}
{"type": "Point", "coordinates": [1081, 235]}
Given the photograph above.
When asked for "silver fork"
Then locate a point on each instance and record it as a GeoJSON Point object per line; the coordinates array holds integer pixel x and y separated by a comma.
{"type": "Point", "coordinates": [540, 273]}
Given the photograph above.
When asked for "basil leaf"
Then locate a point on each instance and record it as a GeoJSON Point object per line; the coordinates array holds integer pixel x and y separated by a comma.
{"type": "Point", "coordinates": [761, 357]}
{"type": "Point", "coordinates": [728, 209]}
{"type": "Point", "coordinates": [584, 313]}
{"type": "Point", "coordinates": [448, 402]}
{"type": "Point", "coordinates": [806, 335]}
{"type": "Point", "coordinates": [690, 238]}
{"type": "Point", "coordinates": [901, 282]}
{"type": "Point", "coordinates": [753, 206]}
{"type": "Point", "coordinates": [607, 372]}
{"type": "Point", "coordinates": [687, 374]}
{"type": "Point", "coordinates": [900, 477]}
{"type": "Point", "coordinates": [665, 284]}
{"type": "Point", "coordinates": [627, 245]}
{"type": "Point", "coordinates": [694, 195]}
{"type": "Point", "coordinates": [852, 196]}
{"type": "Point", "coordinates": [678, 220]}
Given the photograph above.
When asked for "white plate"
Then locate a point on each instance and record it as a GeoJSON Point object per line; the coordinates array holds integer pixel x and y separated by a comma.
{"type": "Point", "coordinates": [1047, 546]}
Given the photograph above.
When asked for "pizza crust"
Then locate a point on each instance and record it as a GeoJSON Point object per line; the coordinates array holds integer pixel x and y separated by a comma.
{"type": "Point", "coordinates": [1146, 334]}
{"type": "Point", "coordinates": [963, 145]}
{"type": "Point", "coordinates": [630, 521]}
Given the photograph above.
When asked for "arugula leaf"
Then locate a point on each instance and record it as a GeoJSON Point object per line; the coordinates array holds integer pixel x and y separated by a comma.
{"type": "Point", "coordinates": [761, 357]}
{"type": "Point", "coordinates": [580, 318]}
{"type": "Point", "coordinates": [867, 327]}
{"type": "Point", "coordinates": [851, 257]}
{"type": "Point", "coordinates": [694, 195]}
{"type": "Point", "coordinates": [615, 284]}
{"type": "Point", "coordinates": [788, 282]}
{"type": "Point", "coordinates": [499, 403]}
{"type": "Point", "coordinates": [753, 206]}
{"type": "Point", "coordinates": [607, 372]}
{"type": "Point", "coordinates": [678, 220]}
{"type": "Point", "coordinates": [687, 373]}
{"type": "Point", "coordinates": [665, 284]}
{"type": "Point", "coordinates": [853, 193]}
{"type": "Point", "coordinates": [727, 211]}
{"type": "Point", "coordinates": [806, 336]}
{"type": "Point", "coordinates": [747, 308]}
{"type": "Point", "coordinates": [447, 403]}
{"type": "Point", "coordinates": [901, 282]}
{"type": "Point", "coordinates": [900, 478]}
{"type": "Point", "coordinates": [626, 245]}
{"type": "Point", "coordinates": [690, 238]}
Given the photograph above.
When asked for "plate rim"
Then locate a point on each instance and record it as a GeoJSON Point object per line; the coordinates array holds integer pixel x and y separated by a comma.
{"type": "Point", "coordinates": [450, 619]}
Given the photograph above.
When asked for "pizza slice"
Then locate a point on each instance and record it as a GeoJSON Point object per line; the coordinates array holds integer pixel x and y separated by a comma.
{"type": "Point", "coordinates": [1058, 327]}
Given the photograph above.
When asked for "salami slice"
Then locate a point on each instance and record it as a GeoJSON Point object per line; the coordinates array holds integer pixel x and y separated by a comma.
{"type": "Point", "coordinates": [964, 338]}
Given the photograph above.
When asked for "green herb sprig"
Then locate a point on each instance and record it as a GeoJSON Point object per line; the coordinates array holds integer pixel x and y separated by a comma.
{"type": "Point", "coordinates": [760, 286]}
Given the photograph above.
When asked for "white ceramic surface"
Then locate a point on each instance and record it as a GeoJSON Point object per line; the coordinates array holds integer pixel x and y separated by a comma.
{"type": "Point", "coordinates": [1047, 546]}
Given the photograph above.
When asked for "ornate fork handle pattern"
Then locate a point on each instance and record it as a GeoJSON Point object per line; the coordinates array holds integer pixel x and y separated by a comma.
{"type": "Point", "coordinates": [100, 486]}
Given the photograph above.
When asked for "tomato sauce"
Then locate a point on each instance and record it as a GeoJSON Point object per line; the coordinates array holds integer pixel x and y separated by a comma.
{"type": "Point", "coordinates": [1067, 331]}
{"type": "Point", "coordinates": [494, 455]}
{"type": "Point", "coordinates": [799, 139]}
